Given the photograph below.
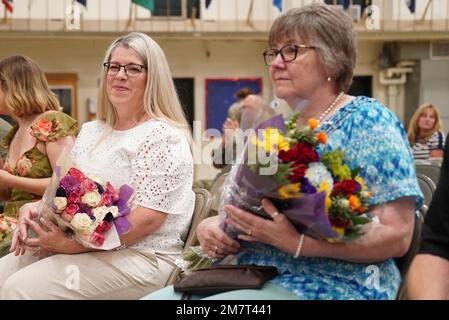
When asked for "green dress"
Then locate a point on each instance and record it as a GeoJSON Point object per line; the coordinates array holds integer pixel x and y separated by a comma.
{"type": "Point", "coordinates": [33, 163]}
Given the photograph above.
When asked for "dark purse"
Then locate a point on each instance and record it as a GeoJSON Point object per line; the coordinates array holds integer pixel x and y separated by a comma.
{"type": "Point", "coordinates": [221, 278]}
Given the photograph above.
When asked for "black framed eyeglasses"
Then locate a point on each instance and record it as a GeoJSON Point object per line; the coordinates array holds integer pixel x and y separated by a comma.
{"type": "Point", "coordinates": [132, 70]}
{"type": "Point", "coordinates": [288, 53]}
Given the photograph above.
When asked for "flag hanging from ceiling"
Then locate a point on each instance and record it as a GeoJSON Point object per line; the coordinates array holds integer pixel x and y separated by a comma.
{"type": "Point", "coordinates": [8, 5]}
{"type": "Point", "coordinates": [411, 4]}
{"type": "Point", "coordinates": [208, 3]}
{"type": "Point", "coordinates": [149, 4]}
{"type": "Point", "coordinates": [83, 2]}
{"type": "Point", "coordinates": [278, 4]}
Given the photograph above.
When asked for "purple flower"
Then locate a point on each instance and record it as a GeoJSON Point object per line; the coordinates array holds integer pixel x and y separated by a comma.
{"type": "Point", "coordinates": [85, 209]}
{"type": "Point", "coordinates": [70, 184]}
{"type": "Point", "coordinates": [306, 187]}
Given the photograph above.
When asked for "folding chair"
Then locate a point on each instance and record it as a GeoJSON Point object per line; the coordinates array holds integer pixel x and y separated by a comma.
{"type": "Point", "coordinates": [203, 202]}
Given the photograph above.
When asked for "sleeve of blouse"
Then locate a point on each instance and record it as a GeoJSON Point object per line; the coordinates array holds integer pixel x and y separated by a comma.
{"type": "Point", "coordinates": [54, 125]}
{"type": "Point", "coordinates": [162, 171]}
{"type": "Point", "coordinates": [384, 156]}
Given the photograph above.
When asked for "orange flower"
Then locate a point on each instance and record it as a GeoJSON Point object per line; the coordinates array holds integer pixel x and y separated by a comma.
{"type": "Point", "coordinates": [313, 123]}
{"type": "Point", "coordinates": [355, 203]}
{"type": "Point", "coordinates": [322, 137]}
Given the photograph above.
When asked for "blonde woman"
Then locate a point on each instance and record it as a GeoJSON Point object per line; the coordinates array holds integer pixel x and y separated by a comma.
{"type": "Point", "coordinates": [425, 133]}
{"type": "Point", "coordinates": [142, 139]}
{"type": "Point", "coordinates": [41, 134]}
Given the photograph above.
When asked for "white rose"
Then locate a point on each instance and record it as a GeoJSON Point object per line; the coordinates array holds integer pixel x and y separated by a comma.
{"type": "Point", "coordinates": [91, 198]}
{"type": "Point", "coordinates": [82, 222]}
{"type": "Point", "coordinates": [114, 211]}
{"type": "Point", "coordinates": [343, 203]}
{"type": "Point", "coordinates": [100, 213]}
{"type": "Point", "coordinates": [60, 203]}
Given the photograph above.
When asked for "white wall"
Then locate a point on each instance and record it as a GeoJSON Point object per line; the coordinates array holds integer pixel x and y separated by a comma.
{"type": "Point", "coordinates": [434, 87]}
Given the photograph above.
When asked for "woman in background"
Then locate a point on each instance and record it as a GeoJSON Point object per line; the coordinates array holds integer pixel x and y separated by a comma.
{"type": "Point", "coordinates": [425, 133]}
{"type": "Point", "coordinates": [42, 132]}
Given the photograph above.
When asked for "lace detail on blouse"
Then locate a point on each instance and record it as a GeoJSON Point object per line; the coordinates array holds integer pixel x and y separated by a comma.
{"type": "Point", "coordinates": [155, 159]}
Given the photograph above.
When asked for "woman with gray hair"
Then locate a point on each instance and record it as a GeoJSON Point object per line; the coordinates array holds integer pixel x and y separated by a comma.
{"type": "Point", "coordinates": [311, 60]}
{"type": "Point", "coordinates": [141, 138]}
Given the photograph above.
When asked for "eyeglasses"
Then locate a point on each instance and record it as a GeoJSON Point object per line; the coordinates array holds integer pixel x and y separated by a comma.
{"type": "Point", "coordinates": [288, 53]}
{"type": "Point", "coordinates": [132, 70]}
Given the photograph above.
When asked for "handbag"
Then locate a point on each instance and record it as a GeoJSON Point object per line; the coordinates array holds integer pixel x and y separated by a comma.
{"type": "Point", "coordinates": [221, 278]}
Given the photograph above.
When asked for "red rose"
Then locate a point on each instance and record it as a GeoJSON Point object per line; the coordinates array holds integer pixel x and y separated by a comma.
{"type": "Point", "coordinates": [346, 187]}
{"type": "Point", "coordinates": [97, 239]}
{"type": "Point", "coordinates": [112, 191]}
{"type": "Point", "coordinates": [338, 223]}
{"type": "Point", "coordinates": [103, 227]}
{"type": "Point", "coordinates": [74, 197]}
{"type": "Point", "coordinates": [301, 152]}
{"type": "Point", "coordinates": [299, 170]}
{"type": "Point", "coordinates": [77, 174]}
{"type": "Point", "coordinates": [106, 199]}
{"type": "Point", "coordinates": [72, 209]}
{"type": "Point", "coordinates": [88, 185]}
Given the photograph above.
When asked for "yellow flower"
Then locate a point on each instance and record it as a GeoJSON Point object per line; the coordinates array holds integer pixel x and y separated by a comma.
{"type": "Point", "coordinates": [325, 187]}
{"type": "Point", "coordinates": [361, 182]}
{"type": "Point", "coordinates": [313, 123]}
{"type": "Point", "coordinates": [339, 231]}
{"type": "Point", "coordinates": [273, 140]}
{"type": "Point", "coordinates": [290, 190]}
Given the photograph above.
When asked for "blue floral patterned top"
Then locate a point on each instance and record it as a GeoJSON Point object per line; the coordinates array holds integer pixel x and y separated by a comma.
{"type": "Point", "coordinates": [374, 140]}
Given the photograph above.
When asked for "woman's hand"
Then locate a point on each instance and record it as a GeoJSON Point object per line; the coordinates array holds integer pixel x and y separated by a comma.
{"type": "Point", "coordinates": [213, 240]}
{"type": "Point", "coordinates": [278, 232]}
{"type": "Point", "coordinates": [27, 211]}
{"type": "Point", "coordinates": [50, 238]}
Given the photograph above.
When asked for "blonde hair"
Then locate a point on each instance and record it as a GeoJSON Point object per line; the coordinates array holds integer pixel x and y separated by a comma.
{"type": "Point", "coordinates": [413, 129]}
{"type": "Point", "coordinates": [161, 100]}
{"type": "Point", "coordinates": [327, 28]}
{"type": "Point", "coordinates": [25, 86]}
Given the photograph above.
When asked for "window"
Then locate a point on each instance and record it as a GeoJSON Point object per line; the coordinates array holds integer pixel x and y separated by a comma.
{"type": "Point", "coordinates": [64, 85]}
{"type": "Point", "coordinates": [176, 8]}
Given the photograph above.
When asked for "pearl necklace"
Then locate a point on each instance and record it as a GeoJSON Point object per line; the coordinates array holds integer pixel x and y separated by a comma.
{"type": "Point", "coordinates": [332, 105]}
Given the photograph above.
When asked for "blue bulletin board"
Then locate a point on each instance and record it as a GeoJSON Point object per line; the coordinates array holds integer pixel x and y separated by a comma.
{"type": "Point", "coordinates": [220, 96]}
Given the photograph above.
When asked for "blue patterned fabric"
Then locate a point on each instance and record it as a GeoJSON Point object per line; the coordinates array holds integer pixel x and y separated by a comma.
{"type": "Point", "coordinates": [374, 140]}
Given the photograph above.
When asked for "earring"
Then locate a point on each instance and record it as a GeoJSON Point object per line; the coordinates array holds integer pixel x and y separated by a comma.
{"type": "Point", "coordinates": [329, 79]}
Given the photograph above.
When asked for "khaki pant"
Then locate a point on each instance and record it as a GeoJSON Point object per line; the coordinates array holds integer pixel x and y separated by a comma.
{"type": "Point", "coordinates": [124, 274]}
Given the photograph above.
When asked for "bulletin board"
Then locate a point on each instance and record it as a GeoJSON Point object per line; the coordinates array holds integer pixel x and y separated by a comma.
{"type": "Point", "coordinates": [220, 96]}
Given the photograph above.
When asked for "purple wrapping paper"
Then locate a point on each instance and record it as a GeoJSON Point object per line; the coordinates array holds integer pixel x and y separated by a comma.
{"type": "Point", "coordinates": [246, 189]}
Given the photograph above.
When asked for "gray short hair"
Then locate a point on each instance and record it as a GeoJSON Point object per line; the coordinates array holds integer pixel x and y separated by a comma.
{"type": "Point", "coordinates": [329, 29]}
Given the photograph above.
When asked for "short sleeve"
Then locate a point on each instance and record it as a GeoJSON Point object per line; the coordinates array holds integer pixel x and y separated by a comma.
{"type": "Point", "coordinates": [439, 141]}
{"type": "Point", "coordinates": [374, 140]}
{"type": "Point", "coordinates": [162, 171]}
{"type": "Point", "coordinates": [54, 125]}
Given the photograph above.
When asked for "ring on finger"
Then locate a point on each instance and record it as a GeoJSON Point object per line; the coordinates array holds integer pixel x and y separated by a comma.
{"type": "Point", "coordinates": [274, 214]}
{"type": "Point", "coordinates": [249, 232]}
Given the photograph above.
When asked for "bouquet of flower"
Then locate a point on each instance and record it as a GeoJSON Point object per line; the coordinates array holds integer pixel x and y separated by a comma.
{"type": "Point", "coordinates": [87, 206]}
{"type": "Point", "coordinates": [320, 195]}
{"type": "Point", "coordinates": [7, 227]}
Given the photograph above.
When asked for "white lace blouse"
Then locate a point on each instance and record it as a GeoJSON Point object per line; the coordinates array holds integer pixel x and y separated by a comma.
{"type": "Point", "coordinates": [155, 159]}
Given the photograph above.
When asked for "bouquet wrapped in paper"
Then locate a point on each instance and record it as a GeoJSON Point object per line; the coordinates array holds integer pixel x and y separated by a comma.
{"type": "Point", "coordinates": [319, 194]}
{"type": "Point", "coordinates": [88, 207]}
